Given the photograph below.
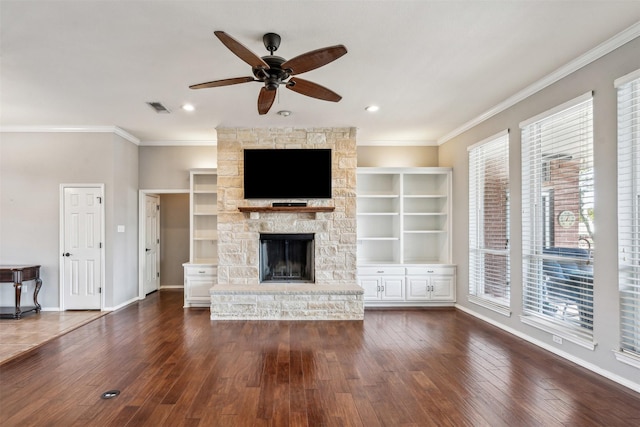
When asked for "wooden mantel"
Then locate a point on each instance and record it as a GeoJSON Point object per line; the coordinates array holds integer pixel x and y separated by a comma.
{"type": "Point", "coordinates": [302, 209]}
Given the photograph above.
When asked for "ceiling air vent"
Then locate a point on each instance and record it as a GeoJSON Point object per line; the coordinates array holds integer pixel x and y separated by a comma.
{"type": "Point", "coordinates": [159, 107]}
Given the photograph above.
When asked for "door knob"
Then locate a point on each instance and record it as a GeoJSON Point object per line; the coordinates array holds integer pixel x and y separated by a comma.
{"type": "Point", "coordinates": [66, 254]}
{"type": "Point", "coordinates": [147, 249]}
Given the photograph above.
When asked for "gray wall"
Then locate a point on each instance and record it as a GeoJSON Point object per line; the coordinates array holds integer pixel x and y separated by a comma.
{"type": "Point", "coordinates": [374, 156]}
{"type": "Point", "coordinates": [168, 168]}
{"type": "Point", "coordinates": [32, 167]}
{"type": "Point", "coordinates": [599, 77]}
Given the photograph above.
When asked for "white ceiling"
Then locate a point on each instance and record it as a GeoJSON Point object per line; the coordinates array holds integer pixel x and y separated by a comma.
{"type": "Point", "coordinates": [431, 66]}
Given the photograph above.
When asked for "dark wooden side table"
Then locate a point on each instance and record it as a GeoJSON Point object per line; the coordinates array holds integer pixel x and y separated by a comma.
{"type": "Point", "coordinates": [17, 274]}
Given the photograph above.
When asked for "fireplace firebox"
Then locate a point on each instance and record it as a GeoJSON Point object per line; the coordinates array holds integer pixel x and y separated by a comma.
{"type": "Point", "coordinates": [287, 258]}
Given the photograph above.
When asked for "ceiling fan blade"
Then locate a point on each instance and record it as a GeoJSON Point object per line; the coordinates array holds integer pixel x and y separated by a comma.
{"type": "Point", "coordinates": [224, 82]}
{"type": "Point", "coordinates": [265, 100]}
{"type": "Point", "coordinates": [313, 90]}
{"type": "Point", "coordinates": [240, 50]}
{"type": "Point", "coordinates": [314, 59]}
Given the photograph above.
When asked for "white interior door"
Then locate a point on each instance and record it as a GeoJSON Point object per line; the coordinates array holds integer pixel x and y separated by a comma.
{"type": "Point", "coordinates": [152, 243]}
{"type": "Point", "coordinates": [82, 247]}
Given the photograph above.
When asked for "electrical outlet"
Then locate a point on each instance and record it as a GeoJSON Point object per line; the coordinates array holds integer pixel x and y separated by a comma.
{"type": "Point", "coordinates": [557, 339]}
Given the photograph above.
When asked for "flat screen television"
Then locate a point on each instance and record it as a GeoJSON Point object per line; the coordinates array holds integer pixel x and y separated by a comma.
{"type": "Point", "coordinates": [287, 173]}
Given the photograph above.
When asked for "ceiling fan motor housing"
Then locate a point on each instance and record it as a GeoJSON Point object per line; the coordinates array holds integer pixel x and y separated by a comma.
{"type": "Point", "coordinates": [275, 75]}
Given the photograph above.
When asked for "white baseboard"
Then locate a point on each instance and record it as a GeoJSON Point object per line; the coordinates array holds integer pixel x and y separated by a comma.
{"type": "Point", "coordinates": [119, 306]}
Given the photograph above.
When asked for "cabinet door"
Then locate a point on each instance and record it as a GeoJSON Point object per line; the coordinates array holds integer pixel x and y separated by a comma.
{"type": "Point", "coordinates": [392, 288]}
{"type": "Point", "coordinates": [198, 288]}
{"type": "Point", "coordinates": [418, 288]}
{"type": "Point", "coordinates": [442, 288]}
{"type": "Point", "coordinates": [371, 286]}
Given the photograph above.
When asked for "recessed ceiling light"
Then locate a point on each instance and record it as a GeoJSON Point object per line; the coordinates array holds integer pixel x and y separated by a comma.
{"type": "Point", "coordinates": [372, 108]}
{"type": "Point", "coordinates": [284, 113]}
{"type": "Point", "coordinates": [188, 107]}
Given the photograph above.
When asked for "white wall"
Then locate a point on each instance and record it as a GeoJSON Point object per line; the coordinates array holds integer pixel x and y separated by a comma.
{"type": "Point", "coordinates": [32, 167]}
{"type": "Point", "coordinates": [597, 76]}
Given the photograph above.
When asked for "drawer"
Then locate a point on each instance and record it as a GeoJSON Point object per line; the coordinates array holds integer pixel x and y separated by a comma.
{"type": "Point", "coordinates": [195, 270]}
{"type": "Point", "coordinates": [375, 271]}
{"type": "Point", "coordinates": [432, 269]}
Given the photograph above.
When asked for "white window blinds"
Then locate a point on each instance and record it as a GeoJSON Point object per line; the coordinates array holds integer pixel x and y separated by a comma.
{"type": "Point", "coordinates": [557, 220]}
{"type": "Point", "coordinates": [629, 212]}
{"type": "Point", "coordinates": [489, 272]}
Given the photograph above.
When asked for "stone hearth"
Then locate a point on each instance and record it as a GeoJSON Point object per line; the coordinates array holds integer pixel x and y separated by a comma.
{"type": "Point", "coordinates": [334, 294]}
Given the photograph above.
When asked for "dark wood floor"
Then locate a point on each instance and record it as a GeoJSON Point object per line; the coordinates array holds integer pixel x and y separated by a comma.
{"type": "Point", "coordinates": [176, 367]}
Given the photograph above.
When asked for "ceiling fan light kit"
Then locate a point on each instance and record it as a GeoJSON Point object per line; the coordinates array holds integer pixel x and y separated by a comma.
{"type": "Point", "coordinates": [273, 71]}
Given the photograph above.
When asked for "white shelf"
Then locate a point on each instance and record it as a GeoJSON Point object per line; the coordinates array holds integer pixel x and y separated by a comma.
{"type": "Point", "coordinates": [378, 238]}
{"type": "Point", "coordinates": [205, 235]}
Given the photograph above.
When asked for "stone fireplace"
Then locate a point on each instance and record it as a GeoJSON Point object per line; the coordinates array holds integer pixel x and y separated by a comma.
{"type": "Point", "coordinates": [327, 289]}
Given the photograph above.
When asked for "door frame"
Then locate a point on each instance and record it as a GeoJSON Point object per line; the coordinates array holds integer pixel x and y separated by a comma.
{"type": "Point", "coordinates": [61, 242]}
{"type": "Point", "coordinates": [141, 232]}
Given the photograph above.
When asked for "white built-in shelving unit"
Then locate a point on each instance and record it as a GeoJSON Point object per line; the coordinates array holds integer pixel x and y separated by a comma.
{"type": "Point", "coordinates": [404, 228]}
{"type": "Point", "coordinates": [200, 272]}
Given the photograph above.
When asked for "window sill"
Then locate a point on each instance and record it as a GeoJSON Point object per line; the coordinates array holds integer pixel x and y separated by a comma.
{"type": "Point", "coordinates": [490, 304]}
{"type": "Point", "coordinates": [627, 357]}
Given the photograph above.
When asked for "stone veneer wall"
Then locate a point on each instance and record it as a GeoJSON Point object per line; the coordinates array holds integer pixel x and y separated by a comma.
{"type": "Point", "coordinates": [238, 233]}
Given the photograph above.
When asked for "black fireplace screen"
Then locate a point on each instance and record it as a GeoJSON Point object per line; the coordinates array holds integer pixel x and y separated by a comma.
{"type": "Point", "coordinates": [286, 258]}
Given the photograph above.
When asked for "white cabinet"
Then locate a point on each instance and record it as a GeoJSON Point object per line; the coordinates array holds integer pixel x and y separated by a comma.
{"type": "Point", "coordinates": [200, 272]}
{"type": "Point", "coordinates": [433, 283]}
{"type": "Point", "coordinates": [409, 286]}
{"type": "Point", "coordinates": [198, 280]}
{"type": "Point", "coordinates": [382, 284]}
{"type": "Point", "coordinates": [404, 226]}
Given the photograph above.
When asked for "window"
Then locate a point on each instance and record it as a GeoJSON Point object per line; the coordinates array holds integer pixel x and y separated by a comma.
{"type": "Point", "coordinates": [628, 88]}
{"type": "Point", "coordinates": [558, 222]}
{"type": "Point", "coordinates": [489, 273]}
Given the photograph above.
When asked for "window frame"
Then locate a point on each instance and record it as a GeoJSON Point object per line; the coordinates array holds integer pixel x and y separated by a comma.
{"type": "Point", "coordinates": [496, 148]}
{"type": "Point", "coordinates": [538, 289]}
{"type": "Point", "coordinates": [628, 116]}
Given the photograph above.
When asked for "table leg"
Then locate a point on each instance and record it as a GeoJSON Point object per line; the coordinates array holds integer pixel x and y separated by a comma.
{"type": "Point", "coordinates": [35, 294]}
{"type": "Point", "coordinates": [18, 288]}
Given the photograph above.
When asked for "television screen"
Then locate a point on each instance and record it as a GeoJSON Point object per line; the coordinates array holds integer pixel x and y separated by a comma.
{"type": "Point", "coordinates": [287, 173]}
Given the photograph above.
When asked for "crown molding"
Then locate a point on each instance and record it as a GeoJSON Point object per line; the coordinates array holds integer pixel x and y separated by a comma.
{"type": "Point", "coordinates": [86, 129]}
{"type": "Point", "coordinates": [208, 143]}
{"type": "Point", "coordinates": [596, 53]}
{"type": "Point", "coordinates": [396, 143]}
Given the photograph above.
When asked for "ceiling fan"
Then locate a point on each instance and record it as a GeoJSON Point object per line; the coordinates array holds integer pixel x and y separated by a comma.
{"type": "Point", "coordinates": [274, 71]}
